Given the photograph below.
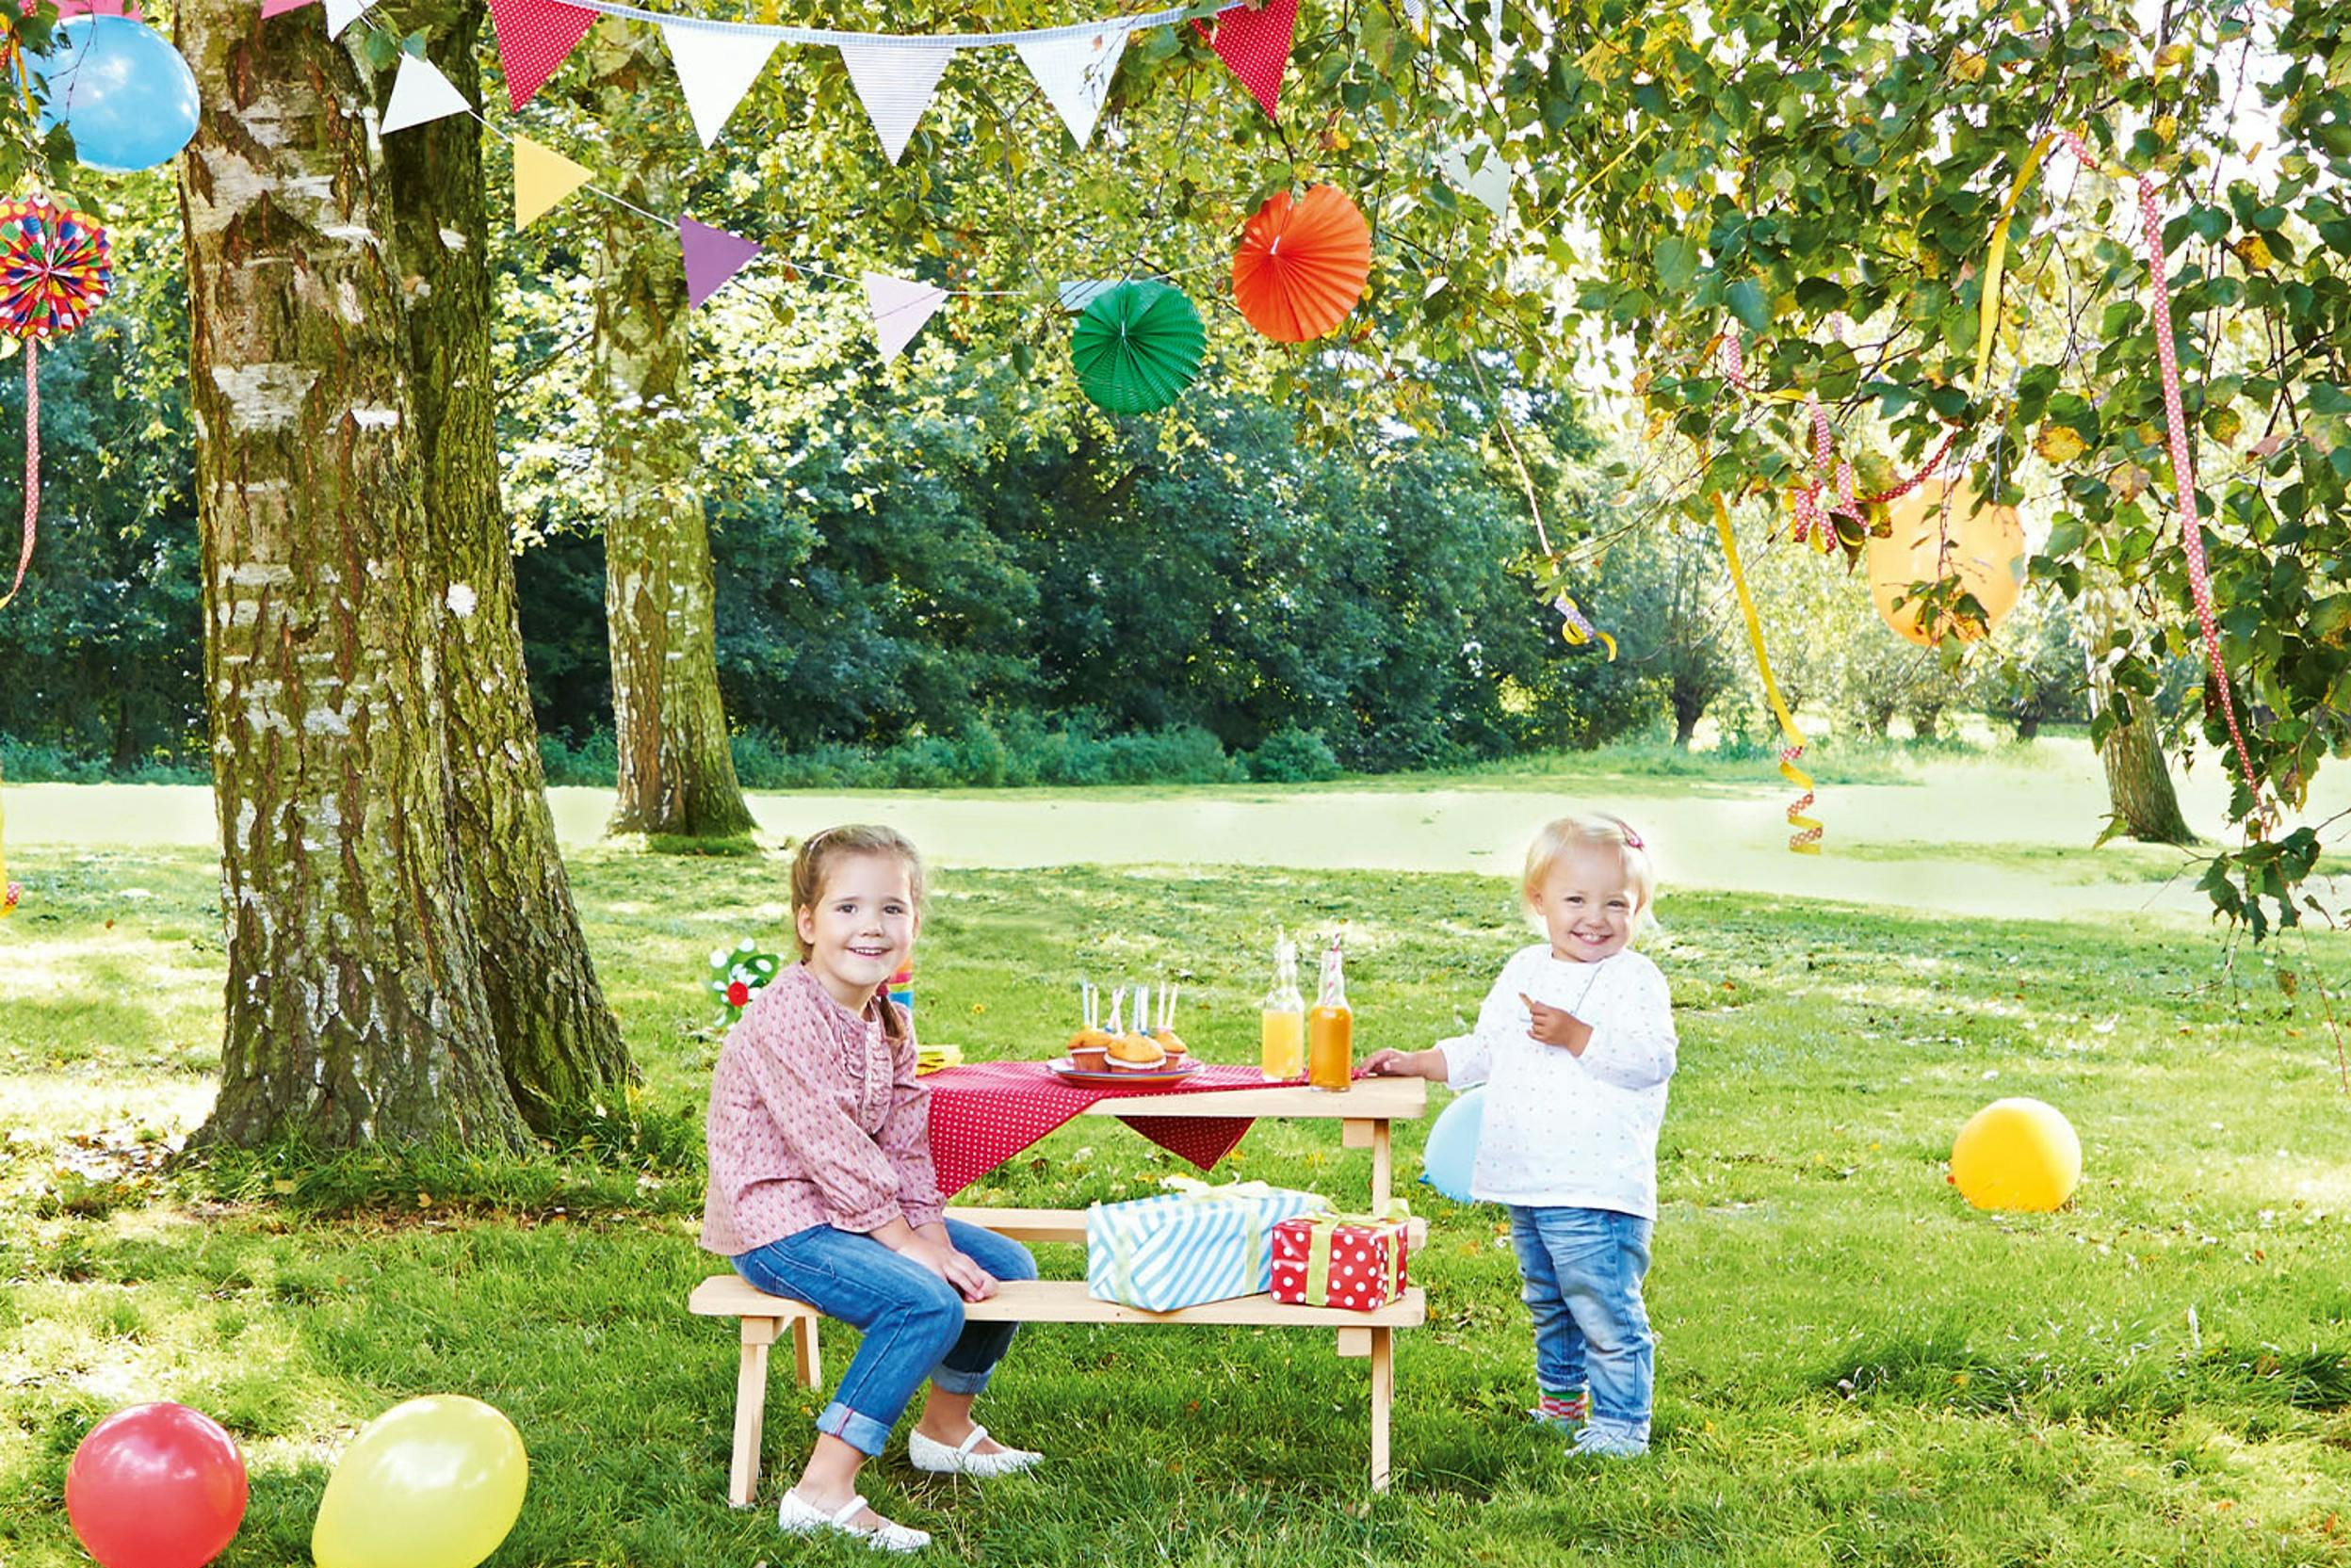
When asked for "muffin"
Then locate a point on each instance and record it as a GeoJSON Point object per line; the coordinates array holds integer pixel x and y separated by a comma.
{"type": "Point", "coordinates": [1136, 1053]}
{"type": "Point", "coordinates": [1088, 1058]}
{"type": "Point", "coordinates": [1178, 1053]}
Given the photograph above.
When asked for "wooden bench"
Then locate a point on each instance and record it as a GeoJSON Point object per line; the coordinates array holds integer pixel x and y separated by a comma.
{"type": "Point", "coordinates": [764, 1318]}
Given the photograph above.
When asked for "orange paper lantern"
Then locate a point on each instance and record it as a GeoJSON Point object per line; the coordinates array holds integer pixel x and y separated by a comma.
{"type": "Point", "coordinates": [1301, 264]}
{"type": "Point", "coordinates": [1983, 546]}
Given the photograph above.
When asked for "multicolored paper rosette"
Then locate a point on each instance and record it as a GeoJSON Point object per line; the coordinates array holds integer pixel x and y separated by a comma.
{"type": "Point", "coordinates": [54, 267]}
{"type": "Point", "coordinates": [1137, 346]}
{"type": "Point", "coordinates": [1301, 264]}
{"type": "Point", "coordinates": [736, 972]}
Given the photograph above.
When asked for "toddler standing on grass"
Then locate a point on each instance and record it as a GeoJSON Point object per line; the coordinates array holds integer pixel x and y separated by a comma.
{"type": "Point", "coordinates": [1576, 1041]}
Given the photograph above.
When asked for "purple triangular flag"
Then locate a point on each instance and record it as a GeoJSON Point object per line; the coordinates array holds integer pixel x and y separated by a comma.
{"type": "Point", "coordinates": [712, 256]}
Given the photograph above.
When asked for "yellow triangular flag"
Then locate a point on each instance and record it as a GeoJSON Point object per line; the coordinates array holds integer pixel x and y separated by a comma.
{"type": "Point", "coordinates": [542, 178]}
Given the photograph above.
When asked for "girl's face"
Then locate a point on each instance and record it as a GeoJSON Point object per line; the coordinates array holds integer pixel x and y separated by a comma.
{"type": "Point", "coordinates": [1586, 906]}
{"type": "Point", "coordinates": [862, 926]}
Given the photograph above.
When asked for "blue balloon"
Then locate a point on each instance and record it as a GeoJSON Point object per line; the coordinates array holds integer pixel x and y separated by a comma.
{"type": "Point", "coordinates": [1452, 1146]}
{"type": "Point", "coordinates": [120, 88]}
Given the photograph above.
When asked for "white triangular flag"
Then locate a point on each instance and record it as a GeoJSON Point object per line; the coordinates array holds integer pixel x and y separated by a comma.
{"type": "Point", "coordinates": [900, 307]}
{"type": "Point", "coordinates": [342, 13]}
{"type": "Point", "coordinates": [1078, 293]}
{"type": "Point", "coordinates": [716, 69]}
{"type": "Point", "coordinates": [420, 94]}
{"type": "Point", "coordinates": [895, 82]}
{"type": "Point", "coordinates": [1075, 74]}
{"type": "Point", "coordinates": [1489, 185]}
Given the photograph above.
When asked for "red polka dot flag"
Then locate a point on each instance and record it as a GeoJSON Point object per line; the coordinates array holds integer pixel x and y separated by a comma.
{"type": "Point", "coordinates": [534, 37]}
{"type": "Point", "coordinates": [1256, 46]}
{"type": "Point", "coordinates": [984, 1113]}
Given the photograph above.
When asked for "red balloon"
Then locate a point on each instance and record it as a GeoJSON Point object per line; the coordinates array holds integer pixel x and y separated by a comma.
{"type": "Point", "coordinates": [156, 1486]}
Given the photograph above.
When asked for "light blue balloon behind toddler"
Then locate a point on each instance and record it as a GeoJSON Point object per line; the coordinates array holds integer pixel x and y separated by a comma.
{"type": "Point", "coordinates": [1453, 1147]}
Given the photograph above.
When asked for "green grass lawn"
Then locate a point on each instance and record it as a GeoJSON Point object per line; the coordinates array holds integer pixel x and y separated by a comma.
{"type": "Point", "coordinates": [1853, 1368]}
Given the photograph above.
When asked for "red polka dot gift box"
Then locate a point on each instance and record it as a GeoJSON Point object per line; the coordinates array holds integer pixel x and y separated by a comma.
{"type": "Point", "coordinates": [1343, 1260]}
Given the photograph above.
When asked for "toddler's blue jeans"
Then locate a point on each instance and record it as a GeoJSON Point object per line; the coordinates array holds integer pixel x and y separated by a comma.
{"type": "Point", "coordinates": [1581, 1270]}
{"type": "Point", "coordinates": [912, 1320]}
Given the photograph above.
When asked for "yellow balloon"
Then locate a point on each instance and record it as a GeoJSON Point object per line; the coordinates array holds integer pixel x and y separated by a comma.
{"type": "Point", "coordinates": [1983, 546]}
{"type": "Point", "coordinates": [432, 1483]}
{"type": "Point", "coordinates": [2018, 1155]}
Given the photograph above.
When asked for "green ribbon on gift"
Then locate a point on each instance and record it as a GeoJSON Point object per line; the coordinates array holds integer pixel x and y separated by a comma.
{"type": "Point", "coordinates": [1322, 1228]}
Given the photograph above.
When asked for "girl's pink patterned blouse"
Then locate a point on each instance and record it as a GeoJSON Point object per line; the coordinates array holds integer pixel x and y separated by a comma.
{"type": "Point", "coordinates": [815, 1120]}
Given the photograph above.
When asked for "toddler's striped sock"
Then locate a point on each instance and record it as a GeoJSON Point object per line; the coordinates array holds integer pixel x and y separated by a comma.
{"type": "Point", "coordinates": [1561, 1409]}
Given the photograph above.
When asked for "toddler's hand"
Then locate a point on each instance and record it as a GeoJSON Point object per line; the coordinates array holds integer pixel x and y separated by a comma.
{"type": "Point", "coordinates": [1556, 1026]}
{"type": "Point", "coordinates": [1388, 1063]}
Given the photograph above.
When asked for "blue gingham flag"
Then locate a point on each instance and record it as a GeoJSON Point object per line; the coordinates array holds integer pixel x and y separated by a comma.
{"type": "Point", "coordinates": [1201, 1243]}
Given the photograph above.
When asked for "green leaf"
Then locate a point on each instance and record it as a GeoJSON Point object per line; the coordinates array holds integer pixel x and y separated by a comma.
{"type": "Point", "coordinates": [1747, 303]}
{"type": "Point", "coordinates": [1677, 261]}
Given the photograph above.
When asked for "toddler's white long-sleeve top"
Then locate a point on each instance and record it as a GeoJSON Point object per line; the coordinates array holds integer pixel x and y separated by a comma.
{"type": "Point", "coordinates": [1564, 1131]}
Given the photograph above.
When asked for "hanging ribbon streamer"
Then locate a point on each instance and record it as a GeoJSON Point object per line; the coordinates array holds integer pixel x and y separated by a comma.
{"type": "Point", "coordinates": [2167, 359]}
{"type": "Point", "coordinates": [1577, 629]}
{"type": "Point", "coordinates": [32, 469]}
{"type": "Point", "coordinates": [1806, 840]}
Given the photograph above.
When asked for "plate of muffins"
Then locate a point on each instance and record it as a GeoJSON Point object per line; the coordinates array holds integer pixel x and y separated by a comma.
{"type": "Point", "coordinates": [1138, 1046]}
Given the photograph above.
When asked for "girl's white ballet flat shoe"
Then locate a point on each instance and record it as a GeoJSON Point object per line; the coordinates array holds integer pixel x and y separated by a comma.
{"type": "Point", "coordinates": [794, 1516]}
{"type": "Point", "coordinates": [941, 1460]}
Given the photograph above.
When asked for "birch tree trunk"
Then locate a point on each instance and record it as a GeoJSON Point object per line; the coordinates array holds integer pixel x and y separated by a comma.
{"type": "Point", "coordinates": [676, 769]}
{"type": "Point", "coordinates": [355, 1011]}
{"type": "Point", "coordinates": [558, 1042]}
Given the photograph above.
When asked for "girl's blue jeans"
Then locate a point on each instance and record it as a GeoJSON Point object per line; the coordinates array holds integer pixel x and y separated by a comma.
{"type": "Point", "coordinates": [1581, 1270]}
{"type": "Point", "coordinates": [912, 1320]}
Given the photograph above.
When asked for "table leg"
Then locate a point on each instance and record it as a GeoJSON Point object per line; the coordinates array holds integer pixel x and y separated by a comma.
{"type": "Point", "coordinates": [1382, 1396]}
{"type": "Point", "coordinates": [1381, 1167]}
{"type": "Point", "coordinates": [751, 1409]}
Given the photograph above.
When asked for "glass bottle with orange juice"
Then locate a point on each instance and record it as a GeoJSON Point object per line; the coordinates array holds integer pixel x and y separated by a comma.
{"type": "Point", "coordinates": [1331, 1029]}
{"type": "Point", "coordinates": [1282, 1020]}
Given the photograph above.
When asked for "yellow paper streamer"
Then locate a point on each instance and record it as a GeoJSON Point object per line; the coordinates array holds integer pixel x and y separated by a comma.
{"type": "Point", "coordinates": [1807, 839]}
{"type": "Point", "coordinates": [1987, 315]}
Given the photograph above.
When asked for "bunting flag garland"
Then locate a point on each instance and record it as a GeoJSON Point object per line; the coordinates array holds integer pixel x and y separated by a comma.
{"type": "Point", "coordinates": [715, 69]}
{"type": "Point", "coordinates": [420, 94]}
{"type": "Point", "coordinates": [901, 306]}
{"type": "Point", "coordinates": [1301, 264]}
{"type": "Point", "coordinates": [279, 7]}
{"type": "Point", "coordinates": [1075, 75]}
{"type": "Point", "coordinates": [534, 37]}
{"type": "Point", "coordinates": [895, 80]}
{"type": "Point", "coordinates": [1488, 184]}
{"type": "Point", "coordinates": [1076, 294]}
{"type": "Point", "coordinates": [542, 178]}
{"type": "Point", "coordinates": [712, 256]}
{"type": "Point", "coordinates": [1255, 45]}
{"type": "Point", "coordinates": [342, 13]}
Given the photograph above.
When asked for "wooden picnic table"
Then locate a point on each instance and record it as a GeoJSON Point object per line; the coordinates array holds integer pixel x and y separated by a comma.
{"type": "Point", "coordinates": [1366, 1114]}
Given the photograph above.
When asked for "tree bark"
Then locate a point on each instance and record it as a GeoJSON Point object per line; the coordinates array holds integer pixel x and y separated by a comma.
{"type": "Point", "coordinates": [2138, 784]}
{"type": "Point", "coordinates": [2139, 792]}
{"type": "Point", "coordinates": [558, 1042]}
{"type": "Point", "coordinates": [676, 767]}
{"type": "Point", "coordinates": [354, 1009]}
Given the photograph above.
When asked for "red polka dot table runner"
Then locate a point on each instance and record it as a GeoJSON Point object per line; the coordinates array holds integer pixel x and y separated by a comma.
{"type": "Point", "coordinates": [984, 1113]}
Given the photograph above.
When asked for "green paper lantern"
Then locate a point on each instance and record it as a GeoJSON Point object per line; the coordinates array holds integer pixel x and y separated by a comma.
{"type": "Point", "coordinates": [1137, 346]}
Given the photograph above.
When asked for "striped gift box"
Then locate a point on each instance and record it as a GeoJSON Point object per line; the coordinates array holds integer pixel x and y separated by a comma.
{"type": "Point", "coordinates": [1200, 1243]}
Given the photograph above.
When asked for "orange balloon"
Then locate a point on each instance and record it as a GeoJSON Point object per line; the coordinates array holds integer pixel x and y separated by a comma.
{"type": "Point", "coordinates": [1983, 546]}
{"type": "Point", "coordinates": [1301, 264]}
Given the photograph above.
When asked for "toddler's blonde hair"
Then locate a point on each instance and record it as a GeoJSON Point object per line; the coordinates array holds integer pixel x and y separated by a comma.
{"type": "Point", "coordinates": [1598, 830]}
